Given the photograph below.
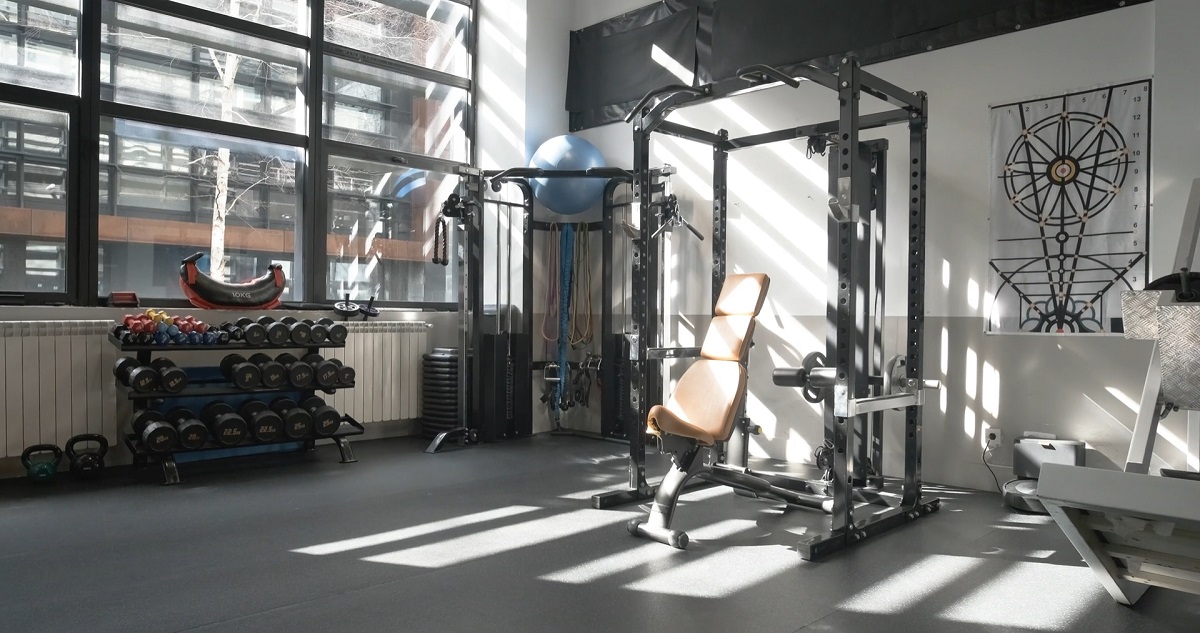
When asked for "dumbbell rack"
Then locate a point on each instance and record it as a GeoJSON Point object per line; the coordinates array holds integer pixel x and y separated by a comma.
{"type": "Point", "coordinates": [203, 387]}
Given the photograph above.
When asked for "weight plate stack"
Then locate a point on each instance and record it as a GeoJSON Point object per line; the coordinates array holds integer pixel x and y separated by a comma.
{"type": "Point", "coordinates": [439, 391]}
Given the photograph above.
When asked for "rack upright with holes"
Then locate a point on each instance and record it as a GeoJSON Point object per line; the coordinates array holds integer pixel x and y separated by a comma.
{"type": "Point", "coordinates": [206, 384]}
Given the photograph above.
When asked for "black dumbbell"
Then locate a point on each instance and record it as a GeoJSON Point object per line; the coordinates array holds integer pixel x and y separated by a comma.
{"type": "Point", "coordinates": [325, 372]}
{"type": "Point", "coordinates": [326, 419]}
{"type": "Point", "coordinates": [277, 331]}
{"type": "Point", "coordinates": [192, 432]}
{"type": "Point", "coordinates": [265, 425]}
{"type": "Point", "coordinates": [274, 375]}
{"type": "Point", "coordinates": [223, 336]}
{"type": "Point", "coordinates": [227, 427]}
{"type": "Point", "coordinates": [135, 375]}
{"type": "Point", "coordinates": [300, 374]}
{"type": "Point", "coordinates": [300, 332]}
{"type": "Point", "coordinates": [252, 333]}
{"type": "Point", "coordinates": [297, 423]}
{"type": "Point", "coordinates": [156, 434]}
{"type": "Point", "coordinates": [346, 374]}
{"type": "Point", "coordinates": [319, 333]}
{"type": "Point", "coordinates": [233, 332]}
{"type": "Point", "coordinates": [337, 331]}
{"type": "Point", "coordinates": [241, 372]}
{"type": "Point", "coordinates": [172, 378]}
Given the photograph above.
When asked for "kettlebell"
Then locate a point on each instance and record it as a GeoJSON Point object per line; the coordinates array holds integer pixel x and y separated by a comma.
{"type": "Point", "coordinates": [43, 469]}
{"type": "Point", "coordinates": [87, 463]}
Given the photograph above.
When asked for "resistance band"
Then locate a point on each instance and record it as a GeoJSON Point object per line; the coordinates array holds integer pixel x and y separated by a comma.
{"type": "Point", "coordinates": [552, 280]}
{"type": "Point", "coordinates": [582, 335]}
{"type": "Point", "coordinates": [567, 259]}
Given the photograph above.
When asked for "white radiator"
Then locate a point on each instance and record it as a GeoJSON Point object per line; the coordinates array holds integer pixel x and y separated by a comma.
{"type": "Point", "coordinates": [386, 357]}
{"type": "Point", "coordinates": [57, 382]}
{"type": "Point", "coordinates": [56, 378]}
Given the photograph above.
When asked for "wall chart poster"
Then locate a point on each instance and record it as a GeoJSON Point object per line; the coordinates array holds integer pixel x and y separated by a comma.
{"type": "Point", "coordinates": [1070, 208]}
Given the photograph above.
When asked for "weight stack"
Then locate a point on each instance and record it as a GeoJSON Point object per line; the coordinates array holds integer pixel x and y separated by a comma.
{"type": "Point", "coordinates": [439, 391]}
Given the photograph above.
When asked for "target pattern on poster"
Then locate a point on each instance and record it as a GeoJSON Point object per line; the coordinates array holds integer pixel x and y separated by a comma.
{"type": "Point", "coordinates": [1070, 209]}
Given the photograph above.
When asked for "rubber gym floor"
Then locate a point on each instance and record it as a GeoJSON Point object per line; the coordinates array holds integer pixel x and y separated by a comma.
{"type": "Point", "coordinates": [502, 538]}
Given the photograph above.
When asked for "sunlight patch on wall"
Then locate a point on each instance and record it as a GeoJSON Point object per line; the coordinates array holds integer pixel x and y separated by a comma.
{"type": "Point", "coordinates": [700, 185]}
{"type": "Point", "coordinates": [945, 360]}
{"type": "Point", "coordinates": [991, 390]}
{"type": "Point", "coordinates": [766, 245]}
{"type": "Point", "coordinates": [972, 373]}
{"type": "Point", "coordinates": [664, 59]}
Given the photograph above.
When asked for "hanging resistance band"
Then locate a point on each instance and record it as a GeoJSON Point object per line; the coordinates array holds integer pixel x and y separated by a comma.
{"type": "Point", "coordinates": [552, 280]}
{"type": "Point", "coordinates": [567, 259]}
{"type": "Point", "coordinates": [581, 299]}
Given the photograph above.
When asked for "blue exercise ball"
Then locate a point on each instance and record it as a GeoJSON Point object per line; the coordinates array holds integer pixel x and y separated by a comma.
{"type": "Point", "coordinates": [567, 196]}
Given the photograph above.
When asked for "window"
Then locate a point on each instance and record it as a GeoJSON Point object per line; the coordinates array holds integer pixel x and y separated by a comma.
{"type": "Point", "coordinates": [170, 185]}
{"type": "Point", "coordinates": [37, 44]}
{"type": "Point", "coordinates": [165, 63]}
{"type": "Point", "coordinates": [380, 108]}
{"type": "Point", "coordinates": [33, 199]}
{"type": "Point", "coordinates": [284, 14]}
{"type": "Point", "coordinates": [380, 232]}
{"type": "Point", "coordinates": [203, 132]}
{"type": "Point", "coordinates": [429, 33]}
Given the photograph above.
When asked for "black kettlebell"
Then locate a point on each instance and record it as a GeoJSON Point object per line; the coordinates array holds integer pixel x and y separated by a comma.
{"type": "Point", "coordinates": [87, 463]}
{"type": "Point", "coordinates": [41, 469]}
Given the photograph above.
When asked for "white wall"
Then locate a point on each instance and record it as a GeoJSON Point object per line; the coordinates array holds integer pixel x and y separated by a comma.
{"type": "Point", "coordinates": [1075, 387]}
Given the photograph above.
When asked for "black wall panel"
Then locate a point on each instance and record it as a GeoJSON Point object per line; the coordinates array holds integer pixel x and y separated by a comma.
{"type": "Point", "coordinates": [611, 66]}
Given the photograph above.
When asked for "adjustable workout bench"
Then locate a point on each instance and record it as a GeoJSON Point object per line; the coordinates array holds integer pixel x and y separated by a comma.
{"type": "Point", "coordinates": [703, 409]}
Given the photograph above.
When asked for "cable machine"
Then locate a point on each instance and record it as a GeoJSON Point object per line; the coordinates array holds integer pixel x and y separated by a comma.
{"type": "Point", "coordinates": [850, 379]}
{"type": "Point", "coordinates": [495, 403]}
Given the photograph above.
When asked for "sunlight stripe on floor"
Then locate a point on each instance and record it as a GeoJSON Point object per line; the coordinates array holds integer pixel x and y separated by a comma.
{"type": "Point", "coordinates": [500, 540]}
{"type": "Point", "coordinates": [415, 531]}
{"type": "Point", "coordinates": [741, 568]}
{"type": "Point", "coordinates": [909, 587]}
{"type": "Point", "coordinates": [647, 554]}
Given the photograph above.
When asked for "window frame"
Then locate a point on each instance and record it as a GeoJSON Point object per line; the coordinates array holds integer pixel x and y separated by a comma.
{"type": "Point", "coordinates": [85, 110]}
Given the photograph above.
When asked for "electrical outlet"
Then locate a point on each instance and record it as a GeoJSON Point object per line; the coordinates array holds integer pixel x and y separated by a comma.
{"type": "Point", "coordinates": [994, 437]}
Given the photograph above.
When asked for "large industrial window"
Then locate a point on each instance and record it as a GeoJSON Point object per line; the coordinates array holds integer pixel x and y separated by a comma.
{"type": "Point", "coordinates": [316, 134]}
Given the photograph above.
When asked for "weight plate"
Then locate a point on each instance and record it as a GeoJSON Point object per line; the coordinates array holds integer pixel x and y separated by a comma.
{"type": "Point", "coordinates": [436, 407]}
